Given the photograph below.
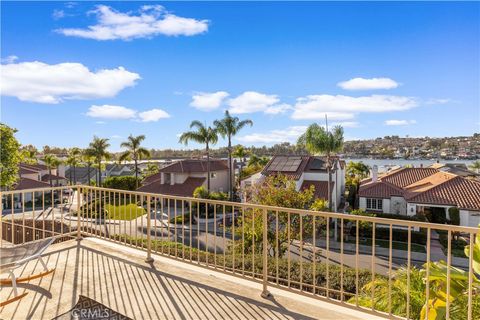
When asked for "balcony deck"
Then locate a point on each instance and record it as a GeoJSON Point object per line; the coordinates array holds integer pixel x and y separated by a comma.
{"type": "Point", "coordinates": [118, 277]}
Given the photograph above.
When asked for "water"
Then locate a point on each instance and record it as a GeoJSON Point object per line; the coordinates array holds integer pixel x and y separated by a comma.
{"type": "Point", "coordinates": [384, 164]}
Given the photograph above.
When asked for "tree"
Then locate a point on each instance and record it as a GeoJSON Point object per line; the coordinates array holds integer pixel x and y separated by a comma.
{"type": "Point", "coordinates": [98, 150]}
{"type": "Point", "coordinates": [134, 151]}
{"type": "Point", "coordinates": [52, 162]}
{"type": "Point", "coordinates": [241, 153]}
{"type": "Point", "coordinates": [29, 155]}
{"type": "Point", "coordinates": [228, 127]}
{"type": "Point", "coordinates": [318, 140]}
{"type": "Point", "coordinates": [475, 166]}
{"type": "Point", "coordinates": [73, 161]}
{"type": "Point", "coordinates": [152, 168]}
{"type": "Point", "coordinates": [88, 160]}
{"type": "Point", "coordinates": [205, 135]}
{"type": "Point", "coordinates": [9, 155]}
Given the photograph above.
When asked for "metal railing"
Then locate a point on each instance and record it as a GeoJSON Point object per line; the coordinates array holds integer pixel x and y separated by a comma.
{"type": "Point", "coordinates": [321, 254]}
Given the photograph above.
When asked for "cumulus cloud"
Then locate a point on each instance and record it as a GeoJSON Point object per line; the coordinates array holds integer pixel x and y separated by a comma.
{"type": "Point", "coordinates": [438, 101]}
{"type": "Point", "coordinates": [340, 107]}
{"type": "Point", "coordinates": [58, 14]}
{"type": "Point", "coordinates": [9, 59]}
{"type": "Point", "coordinates": [251, 101]}
{"type": "Point", "coordinates": [153, 115]}
{"type": "Point", "coordinates": [206, 101]}
{"type": "Point", "coordinates": [149, 21]}
{"type": "Point", "coordinates": [368, 84]}
{"type": "Point", "coordinates": [119, 112]}
{"type": "Point", "coordinates": [290, 134]}
{"type": "Point", "coordinates": [111, 112]}
{"type": "Point", "coordinates": [44, 83]}
{"type": "Point", "coordinates": [278, 108]}
{"type": "Point", "coordinates": [399, 122]}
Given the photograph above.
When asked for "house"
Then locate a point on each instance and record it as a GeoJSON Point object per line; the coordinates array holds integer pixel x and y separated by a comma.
{"type": "Point", "coordinates": [411, 191]}
{"type": "Point", "coordinates": [82, 175]}
{"type": "Point", "coordinates": [182, 177]}
{"type": "Point", "coordinates": [306, 171]}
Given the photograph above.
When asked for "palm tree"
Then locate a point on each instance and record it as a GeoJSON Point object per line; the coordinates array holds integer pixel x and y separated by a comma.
{"type": "Point", "coordinates": [318, 140]}
{"type": "Point", "coordinates": [255, 160]}
{"type": "Point", "coordinates": [228, 127]}
{"type": "Point", "coordinates": [88, 160]}
{"type": "Point", "coordinates": [134, 151]}
{"type": "Point", "coordinates": [73, 161]}
{"type": "Point", "coordinates": [203, 134]}
{"type": "Point", "coordinates": [29, 156]}
{"type": "Point", "coordinates": [98, 150]}
{"type": "Point", "coordinates": [241, 153]}
{"type": "Point", "coordinates": [475, 166]}
{"type": "Point", "coordinates": [52, 162]}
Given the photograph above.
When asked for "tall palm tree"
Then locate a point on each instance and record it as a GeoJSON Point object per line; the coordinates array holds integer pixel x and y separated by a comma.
{"type": "Point", "coordinates": [241, 153]}
{"type": "Point", "coordinates": [52, 162]}
{"type": "Point", "coordinates": [318, 140]}
{"type": "Point", "coordinates": [205, 135]}
{"type": "Point", "coordinates": [73, 161]}
{"type": "Point", "coordinates": [134, 151]}
{"type": "Point", "coordinates": [88, 160]}
{"type": "Point", "coordinates": [228, 127]}
{"type": "Point", "coordinates": [475, 166]}
{"type": "Point", "coordinates": [98, 150]}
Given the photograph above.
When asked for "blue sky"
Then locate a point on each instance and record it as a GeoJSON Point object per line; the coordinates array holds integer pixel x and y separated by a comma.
{"type": "Point", "coordinates": [74, 70]}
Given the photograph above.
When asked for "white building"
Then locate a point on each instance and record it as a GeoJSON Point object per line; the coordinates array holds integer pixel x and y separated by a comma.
{"type": "Point", "coordinates": [411, 191]}
{"type": "Point", "coordinates": [306, 171]}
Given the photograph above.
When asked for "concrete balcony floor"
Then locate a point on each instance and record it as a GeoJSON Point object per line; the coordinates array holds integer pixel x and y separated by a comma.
{"type": "Point", "coordinates": [118, 276]}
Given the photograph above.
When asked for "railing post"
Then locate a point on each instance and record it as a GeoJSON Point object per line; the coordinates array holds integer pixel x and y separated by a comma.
{"type": "Point", "coordinates": [149, 236]}
{"type": "Point", "coordinates": [79, 217]}
{"type": "Point", "coordinates": [265, 293]}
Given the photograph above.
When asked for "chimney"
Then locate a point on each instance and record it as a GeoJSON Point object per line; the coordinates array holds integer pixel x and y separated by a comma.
{"type": "Point", "coordinates": [162, 178]}
{"type": "Point", "coordinates": [374, 173]}
{"type": "Point", "coordinates": [172, 178]}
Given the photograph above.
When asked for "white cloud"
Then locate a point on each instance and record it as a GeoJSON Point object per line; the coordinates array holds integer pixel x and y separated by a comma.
{"type": "Point", "coordinates": [111, 112]}
{"type": "Point", "coordinates": [290, 134]}
{"type": "Point", "coordinates": [44, 83]}
{"type": "Point", "coordinates": [153, 115]}
{"type": "Point", "coordinates": [438, 101]}
{"type": "Point", "coordinates": [278, 108]}
{"type": "Point", "coordinates": [251, 101]}
{"type": "Point", "coordinates": [368, 84]}
{"type": "Point", "coordinates": [119, 112]}
{"type": "Point", "coordinates": [100, 122]}
{"type": "Point", "coordinates": [151, 20]}
{"type": "Point", "coordinates": [342, 107]}
{"type": "Point", "coordinates": [58, 14]}
{"type": "Point", "coordinates": [346, 124]}
{"type": "Point", "coordinates": [206, 101]}
{"type": "Point", "coordinates": [399, 122]}
{"type": "Point", "coordinates": [9, 59]}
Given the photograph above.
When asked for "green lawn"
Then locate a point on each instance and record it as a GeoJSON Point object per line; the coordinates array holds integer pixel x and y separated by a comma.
{"type": "Point", "coordinates": [395, 245]}
{"type": "Point", "coordinates": [124, 212]}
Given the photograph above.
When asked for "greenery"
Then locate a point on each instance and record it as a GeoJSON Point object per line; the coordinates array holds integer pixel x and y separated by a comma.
{"type": "Point", "coordinates": [128, 211]}
{"type": "Point", "coordinates": [9, 155]}
{"type": "Point", "coordinates": [228, 127]}
{"type": "Point", "coordinates": [201, 134]}
{"type": "Point", "coordinates": [475, 166]}
{"type": "Point", "coordinates": [134, 151]}
{"type": "Point", "coordinates": [241, 153]}
{"type": "Point", "coordinates": [454, 214]}
{"type": "Point", "coordinates": [318, 140]}
{"type": "Point", "coordinates": [98, 151]}
{"type": "Point", "coordinates": [121, 182]}
{"type": "Point", "coordinates": [457, 244]}
{"type": "Point", "coordinates": [355, 172]}
{"type": "Point", "coordinates": [208, 210]}
{"type": "Point", "coordinates": [182, 219]}
{"type": "Point", "coordinates": [52, 162]}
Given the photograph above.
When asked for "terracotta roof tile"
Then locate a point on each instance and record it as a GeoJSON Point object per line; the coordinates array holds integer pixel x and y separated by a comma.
{"type": "Point", "coordinates": [461, 192]}
{"type": "Point", "coordinates": [406, 176]}
{"type": "Point", "coordinates": [379, 189]}
{"type": "Point", "coordinates": [25, 183]}
{"type": "Point", "coordinates": [48, 176]}
{"type": "Point", "coordinates": [321, 188]}
{"type": "Point", "coordinates": [184, 189]}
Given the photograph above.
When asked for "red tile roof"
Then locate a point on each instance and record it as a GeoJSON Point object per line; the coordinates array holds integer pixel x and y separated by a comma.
{"type": "Point", "coordinates": [184, 189]}
{"type": "Point", "coordinates": [48, 176]}
{"type": "Point", "coordinates": [379, 189]}
{"type": "Point", "coordinates": [37, 167]}
{"type": "Point", "coordinates": [25, 183]}
{"type": "Point", "coordinates": [321, 188]}
{"type": "Point", "coordinates": [461, 192]}
{"type": "Point", "coordinates": [195, 165]}
{"type": "Point", "coordinates": [406, 176]}
{"type": "Point", "coordinates": [24, 170]}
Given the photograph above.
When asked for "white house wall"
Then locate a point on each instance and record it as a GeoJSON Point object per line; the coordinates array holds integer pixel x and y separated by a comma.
{"type": "Point", "coordinates": [398, 205]}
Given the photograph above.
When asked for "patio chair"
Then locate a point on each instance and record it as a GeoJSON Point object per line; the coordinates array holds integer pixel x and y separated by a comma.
{"type": "Point", "coordinates": [17, 256]}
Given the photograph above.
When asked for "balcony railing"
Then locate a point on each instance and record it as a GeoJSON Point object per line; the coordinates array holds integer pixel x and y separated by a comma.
{"type": "Point", "coordinates": [321, 254]}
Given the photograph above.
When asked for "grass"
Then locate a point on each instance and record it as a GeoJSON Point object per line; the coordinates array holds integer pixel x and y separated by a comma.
{"type": "Point", "coordinates": [129, 211]}
{"type": "Point", "coordinates": [395, 245]}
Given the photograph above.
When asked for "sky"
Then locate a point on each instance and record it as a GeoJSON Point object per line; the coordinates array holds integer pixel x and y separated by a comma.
{"type": "Point", "coordinates": [72, 70]}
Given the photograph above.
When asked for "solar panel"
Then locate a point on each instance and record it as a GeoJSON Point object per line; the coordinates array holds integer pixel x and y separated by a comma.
{"type": "Point", "coordinates": [317, 164]}
{"type": "Point", "coordinates": [285, 164]}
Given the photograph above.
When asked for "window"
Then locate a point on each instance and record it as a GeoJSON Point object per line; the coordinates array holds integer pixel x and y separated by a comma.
{"type": "Point", "coordinates": [374, 204]}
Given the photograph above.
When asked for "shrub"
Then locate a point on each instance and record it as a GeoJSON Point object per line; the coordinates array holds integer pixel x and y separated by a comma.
{"type": "Point", "coordinates": [418, 237]}
{"type": "Point", "coordinates": [122, 183]}
{"type": "Point", "coordinates": [454, 215]}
